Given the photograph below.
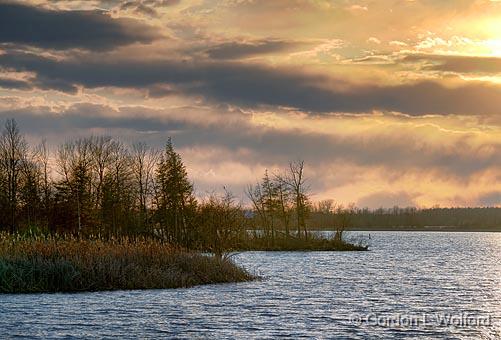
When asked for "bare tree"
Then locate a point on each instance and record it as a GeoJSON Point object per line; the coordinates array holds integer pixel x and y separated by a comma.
{"type": "Point", "coordinates": [283, 201]}
{"type": "Point", "coordinates": [220, 218]}
{"type": "Point", "coordinates": [118, 194]}
{"type": "Point", "coordinates": [42, 160]}
{"type": "Point", "coordinates": [31, 192]}
{"type": "Point", "coordinates": [344, 217]}
{"type": "Point", "coordinates": [257, 198]}
{"type": "Point", "coordinates": [270, 202]}
{"type": "Point", "coordinates": [75, 165]}
{"type": "Point", "coordinates": [143, 162]}
{"type": "Point", "coordinates": [294, 178]}
{"type": "Point", "coordinates": [13, 150]}
{"type": "Point", "coordinates": [101, 150]}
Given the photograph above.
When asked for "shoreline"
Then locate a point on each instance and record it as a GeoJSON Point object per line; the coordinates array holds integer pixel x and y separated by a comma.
{"type": "Point", "coordinates": [426, 229]}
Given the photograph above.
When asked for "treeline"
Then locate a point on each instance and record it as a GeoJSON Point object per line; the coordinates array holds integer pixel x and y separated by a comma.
{"type": "Point", "coordinates": [101, 186]}
{"type": "Point", "coordinates": [325, 213]}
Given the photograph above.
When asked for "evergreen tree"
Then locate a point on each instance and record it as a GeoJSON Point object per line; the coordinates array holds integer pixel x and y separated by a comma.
{"type": "Point", "coordinates": [174, 197]}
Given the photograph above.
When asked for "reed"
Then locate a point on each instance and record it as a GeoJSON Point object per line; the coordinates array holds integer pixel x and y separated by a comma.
{"type": "Point", "coordinates": [69, 264]}
{"type": "Point", "coordinates": [281, 242]}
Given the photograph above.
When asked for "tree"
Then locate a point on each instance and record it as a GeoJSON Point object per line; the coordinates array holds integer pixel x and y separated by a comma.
{"type": "Point", "coordinates": [175, 199]}
{"type": "Point", "coordinates": [13, 152]}
{"type": "Point", "coordinates": [75, 188]}
{"type": "Point", "coordinates": [118, 194]}
{"type": "Point", "coordinates": [41, 157]}
{"type": "Point", "coordinates": [30, 194]}
{"type": "Point", "coordinates": [295, 180]}
{"type": "Point", "coordinates": [284, 205]}
{"type": "Point", "coordinates": [143, 162]}
{"type": "Point", "coordinates": [256, 197]}
{"type": "Point", "coordinates": [270, 202]}
{"type": "Point", "coordinates": [102, 149]}
{"type": "Point", "coordinates": [220, 220]}
{"type": "Point", "coordinates": [344, 217]}
{"type": "Point", "coordinates": [264, 198]}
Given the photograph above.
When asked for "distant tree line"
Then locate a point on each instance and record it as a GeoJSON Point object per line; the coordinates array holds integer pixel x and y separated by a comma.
{"type": "Point", "coordinates": [326, 214]}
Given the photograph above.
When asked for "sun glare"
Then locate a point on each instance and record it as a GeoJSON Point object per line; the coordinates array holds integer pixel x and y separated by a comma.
{"type": "Point", "coordinates": [492, 28]}
{"type": "Point", "coordinates": [494, 47]}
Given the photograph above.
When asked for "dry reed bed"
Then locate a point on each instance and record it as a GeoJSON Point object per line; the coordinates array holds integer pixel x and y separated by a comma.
{"type": "Point", "coordinates": [60, 264]}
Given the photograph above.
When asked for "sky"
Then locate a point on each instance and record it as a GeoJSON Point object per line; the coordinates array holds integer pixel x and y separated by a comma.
{"type": "Point", "coordinates": [388, 102]}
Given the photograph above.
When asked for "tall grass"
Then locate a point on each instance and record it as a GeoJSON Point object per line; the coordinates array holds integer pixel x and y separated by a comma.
{"type": "Point", "coordinates": [314, 242]}
{"type": "Point", "coordinates": [62, 264]}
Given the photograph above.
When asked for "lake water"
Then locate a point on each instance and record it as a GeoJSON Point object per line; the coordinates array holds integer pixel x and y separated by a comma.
{"type": "Point", "coordinates": [414, 284]}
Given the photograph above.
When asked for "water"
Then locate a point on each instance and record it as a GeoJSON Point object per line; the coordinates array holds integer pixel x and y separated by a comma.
{"type": "Point", "coordinates": [423, 277]}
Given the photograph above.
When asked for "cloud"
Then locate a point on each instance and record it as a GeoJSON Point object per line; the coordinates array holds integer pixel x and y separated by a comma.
{"type": "Point", "coordinates": [90, 30]}
{"type": "Point", "coordinates": [386, 199]}
{"type": "Point", "coordinates": [138, 7]}
{"type": "Point", "coordinates": [396, 149]}
{"type": "Point", "coordinates": [253, 85]}
{"type": "Point", "coordinates": [236, 50]}
{"type": "Point", "coordinates": [374, 40]}
{"type": "Point", "coordinates": [15, 84]}
{"type": "Point", "coordinates": [396, 159]}
{"type": "Point", "coordinates": [491, 199]}
{"type": "Point", "coordinates": [456, 63]}
{"type": "Point", "coordinates": [161, 3]}
{"type": "Point", "coordinates": [85, 116]}
{"type": "Point", "coordinates": [361, 114]}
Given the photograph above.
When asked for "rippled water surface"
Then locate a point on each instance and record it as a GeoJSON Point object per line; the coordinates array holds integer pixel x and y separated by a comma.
{"type": "Point", "coordinates": [426, 285]}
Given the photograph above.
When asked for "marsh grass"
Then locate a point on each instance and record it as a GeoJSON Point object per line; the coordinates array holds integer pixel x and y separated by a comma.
{"type": "Point", "coordinates": [313, 243]}
{"type": "Point", "coordinates": [69, 264]}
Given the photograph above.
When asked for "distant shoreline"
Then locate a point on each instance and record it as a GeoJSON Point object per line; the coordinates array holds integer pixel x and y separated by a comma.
{"type": "Point", "coordinates": [428, 228]}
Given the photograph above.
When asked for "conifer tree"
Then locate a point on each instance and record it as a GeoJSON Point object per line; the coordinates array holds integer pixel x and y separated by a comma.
{"type": "Point", "coordinates": [174, 196]}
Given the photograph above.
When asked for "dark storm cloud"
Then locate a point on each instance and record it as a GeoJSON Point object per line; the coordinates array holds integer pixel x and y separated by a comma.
{"type": "Point", "coordinates": [15, 84]}
{"type": "Point", "coordinates": [459, 64]}
{"type": "Point", "coordinates": [254, 85]}
{"type": "Point", "coordinates": [236, 50]}
{"type": "Point", "coordinates": [92, 30]}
